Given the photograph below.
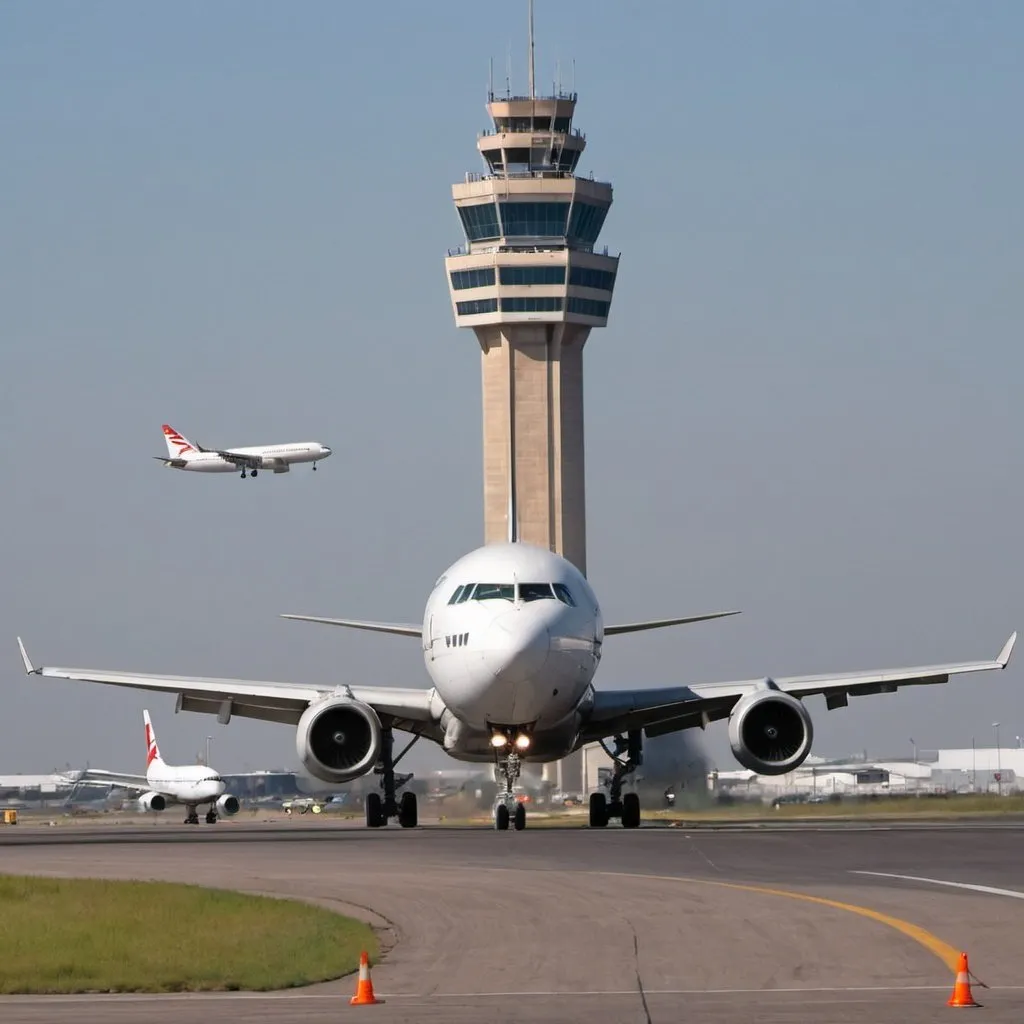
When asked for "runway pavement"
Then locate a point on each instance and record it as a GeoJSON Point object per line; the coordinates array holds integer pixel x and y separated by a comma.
{"type": "Point", "coordinates": [774, 923]}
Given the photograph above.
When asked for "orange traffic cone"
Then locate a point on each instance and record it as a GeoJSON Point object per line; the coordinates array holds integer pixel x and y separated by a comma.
{"type": "Point", "coordinates": [962, 986]}
{"type": "Point", "coordinates": [364, 990]}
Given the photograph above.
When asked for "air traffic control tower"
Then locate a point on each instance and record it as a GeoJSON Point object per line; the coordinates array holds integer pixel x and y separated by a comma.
{"type": "Point", "coordinates": [531, 284]}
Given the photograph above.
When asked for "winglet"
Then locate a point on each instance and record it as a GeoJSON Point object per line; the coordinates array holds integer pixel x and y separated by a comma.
{"type": "Point", "coordinates": [1004, 654]}
{"type": "Point", "coordinates": [29, 670]}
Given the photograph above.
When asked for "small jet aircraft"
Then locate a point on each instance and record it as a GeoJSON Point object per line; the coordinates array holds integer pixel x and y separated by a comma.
{"type": "Point", "coordinates": [163, 783]}
{"type": "Point", "coordinates": [278, 458]}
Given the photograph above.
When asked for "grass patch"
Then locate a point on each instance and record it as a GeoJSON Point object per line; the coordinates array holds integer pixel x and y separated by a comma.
{"type": "Point", "coordinates": [81, 935]}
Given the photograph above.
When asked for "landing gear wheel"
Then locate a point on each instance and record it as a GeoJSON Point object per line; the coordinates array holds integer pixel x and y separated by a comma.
{"type": "Point", "coordinates": [192, 819]}
{"type": "Point", "coordinates": [501, 818]}
{"type": "Point", "coordinates": [631, 811]}
{"type": "Point", "coordinates": [519, 819]}
{"type": "Point", "coordinates": [407, 811]}
{"type": "Point", "coordinates": [374, 810]}
{"type": "Point", "coordinates": [211, 817]}
{"type": "Point", "coordinates": [253, 473]}
{"type": "Point", "coordinates": [243, 474]}
{"type": "Point", "coordinates": [598, 810]}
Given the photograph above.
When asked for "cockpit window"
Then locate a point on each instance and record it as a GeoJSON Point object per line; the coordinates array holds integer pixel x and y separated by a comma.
{"type": "Point", "coordinates": [563, 595]}
{"type": "Point", "coordinates": [467, 589]}
{"type": "Point", "coordinates": [494, 591]}
{"type": "Point", "coordinates": [535, 592]}
{"type": "Point", "coordinates": [455, 597]}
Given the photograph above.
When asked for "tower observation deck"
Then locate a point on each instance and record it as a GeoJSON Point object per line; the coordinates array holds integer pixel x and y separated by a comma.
{"type": "Point", "coordinates": [531, 284]}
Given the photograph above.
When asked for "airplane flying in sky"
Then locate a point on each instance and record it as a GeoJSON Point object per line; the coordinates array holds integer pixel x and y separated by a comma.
{"type": "Point", "coordinates": [163, 783]}
{"type": "Point", "coordinates": [279, 458]}
{"type": "Point", "coordinates": [512, 636]}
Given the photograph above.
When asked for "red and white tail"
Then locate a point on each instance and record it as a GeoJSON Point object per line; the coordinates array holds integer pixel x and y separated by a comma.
{"type": "Point", "coordinates": [152, 750]}
{"type": "Point", "coordinates": [178, 446]}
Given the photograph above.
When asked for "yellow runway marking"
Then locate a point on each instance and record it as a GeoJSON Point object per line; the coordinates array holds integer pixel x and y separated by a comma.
{"type": "Point", "coordinates": [943, 950]}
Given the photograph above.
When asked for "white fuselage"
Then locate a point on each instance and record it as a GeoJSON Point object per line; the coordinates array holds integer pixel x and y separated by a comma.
{"type": "Point", "coordinates": [185, 784]}
{"type": "Point", "coordinates": [274, 457]}
{"type": "Point", "coordinates": [512, 638]}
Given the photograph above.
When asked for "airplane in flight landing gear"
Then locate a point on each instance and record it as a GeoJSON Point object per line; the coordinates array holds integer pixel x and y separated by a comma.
{"type": "Point", "coordinates": [511, 637]}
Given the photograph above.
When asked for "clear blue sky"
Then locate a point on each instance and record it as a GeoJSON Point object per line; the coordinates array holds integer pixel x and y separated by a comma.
{"type": "Point", "coordinates": [232, 217]}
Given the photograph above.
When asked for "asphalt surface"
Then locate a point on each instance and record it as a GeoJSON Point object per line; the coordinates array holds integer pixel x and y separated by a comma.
{"type": "Point", "coordinates": [773, 923]}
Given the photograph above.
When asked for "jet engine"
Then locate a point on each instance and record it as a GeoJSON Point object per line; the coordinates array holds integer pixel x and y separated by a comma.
{"type": "Point", "coordinates": [338, 739]}
{"type": "Point", "coordinates": [227, 805]}
{"type": "Point", "coordinates": [152, 802]}
{"type": "Point", "coordinates": [770, 732]}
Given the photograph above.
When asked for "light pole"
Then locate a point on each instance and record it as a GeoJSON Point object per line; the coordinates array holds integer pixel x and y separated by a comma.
{"type": "Point", "coordinates": [999, 762]}
{"type": "Point", "coordinates": [974, 767]}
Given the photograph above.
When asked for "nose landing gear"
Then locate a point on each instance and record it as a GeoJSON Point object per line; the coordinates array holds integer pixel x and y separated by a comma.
{"type": "Point", "coordinates": [508, 810]}
{"type": "Point", "coordinates": [615, 805]}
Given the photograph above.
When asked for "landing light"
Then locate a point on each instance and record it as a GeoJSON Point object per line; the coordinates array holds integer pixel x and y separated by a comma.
{"type": "Point", "coordinates": [522, 741]}
{"type": "Point", "coordinates": [497, 740]}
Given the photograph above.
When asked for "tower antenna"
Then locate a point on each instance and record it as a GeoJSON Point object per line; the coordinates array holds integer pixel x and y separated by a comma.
{"type": "Point", "coordinates": [531, 50]}
{"type": "Point", "coordinates": [490, 78]}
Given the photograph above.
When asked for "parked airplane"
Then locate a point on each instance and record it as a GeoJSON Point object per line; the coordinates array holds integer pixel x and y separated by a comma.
{"type": "Point", "coordinates": [163, 783]}
{"type": "Point", "coordinates": [183, 454]}
{"type": "Point", "coordinates": [512, 637]}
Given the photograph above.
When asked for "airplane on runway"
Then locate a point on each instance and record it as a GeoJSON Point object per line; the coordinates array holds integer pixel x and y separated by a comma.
{"type": "Point", "coordinates": [163, 783]}
{"type": "Point", "coordinates": [279, 458]}
{"type": "Point", "coordinates": [512, 636]}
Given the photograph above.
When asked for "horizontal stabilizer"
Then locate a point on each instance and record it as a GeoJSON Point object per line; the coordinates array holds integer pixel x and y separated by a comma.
{"type": "Point", "coordinates": [176, 463]}
{"type": "Point", "coordinates": [636, 627]}
{"type": "Point", "coordinates": [398, 628]}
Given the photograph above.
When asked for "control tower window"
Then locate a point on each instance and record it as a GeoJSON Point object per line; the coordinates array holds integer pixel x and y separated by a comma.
{"type": "Point", "coordinates": [494, 591]}
{"type": "Point", "coordinates": [532, 304]}
{"type": "Point", "coordinates": [479, 222]}
{"type": "Point", "coordinates": [563, 595]}
{"type": "Point", "coordinates": [587, 221]}
{"type": "Point", "coordinates": [588, 307]}
{"type": "Point", "coordinates": [532, 275]}
{"type": "Point", "coordinates": [589, 277]}
{"type": "Point", "coordinates": [539, 220]}
{"type": "Point", "coordinates": [481, 277]}
{"type": "Point", "coordinates": [474, 307]}
{"type": "Point", "coordinates": [535, 592]}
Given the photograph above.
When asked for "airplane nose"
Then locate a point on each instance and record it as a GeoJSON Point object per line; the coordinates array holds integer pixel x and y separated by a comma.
{"type": "Point", "coordinates": [514, 651]}
{"type": "Point", "coordinates": [325, 449]}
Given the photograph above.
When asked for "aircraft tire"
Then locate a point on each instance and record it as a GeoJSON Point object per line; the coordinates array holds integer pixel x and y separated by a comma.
{"type": "Point", "coordinates": [631, 811]}
{"type": "Point", "coordinates": [374, 810]}
{"type": "Point", "coordinates": [598, 810]}
{"type": "Point", "coordinates": [519, 819]}
{"type": "Point", "coordinates": [408, 816]}
{"type": "Point", "coordinates": [501, 818]}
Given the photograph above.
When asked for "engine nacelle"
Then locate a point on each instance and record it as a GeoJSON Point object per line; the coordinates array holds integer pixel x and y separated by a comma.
{"type": "Point", "coordinates": [227, 805]}
{"type": "Point", "coordinates": [338, 739]}
{"type": "Point", "coordinates": [152, 802]}
{"type": "Point", "coordinates": [770, 732]}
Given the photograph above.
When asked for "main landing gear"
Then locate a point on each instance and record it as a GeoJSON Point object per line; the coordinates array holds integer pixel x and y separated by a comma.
{"type": "Point", "coordinates": [508, 810]}
{"type": "Point", "coordinates": [192, 817]}
{"type": "Point", "coordinates": [381, 807]}
{"type": "Point", "coordinates": [615, 805]}
{"type": "Point", "coordinates": [252, 473]}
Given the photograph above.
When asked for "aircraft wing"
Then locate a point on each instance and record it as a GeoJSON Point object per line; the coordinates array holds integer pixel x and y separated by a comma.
{"type": "Point", "coordinates": [670, 709]}
{"type": "Point", "coordinates": [636, 627]}
{"type": "Point", "coordinates": [120, 779]}
{"type": "Point", "coordinates": [249, 461]}
{"type": "Point", "coordinates": [413, 710]}
{"type": "Point", "coordinates": [400, 628]}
